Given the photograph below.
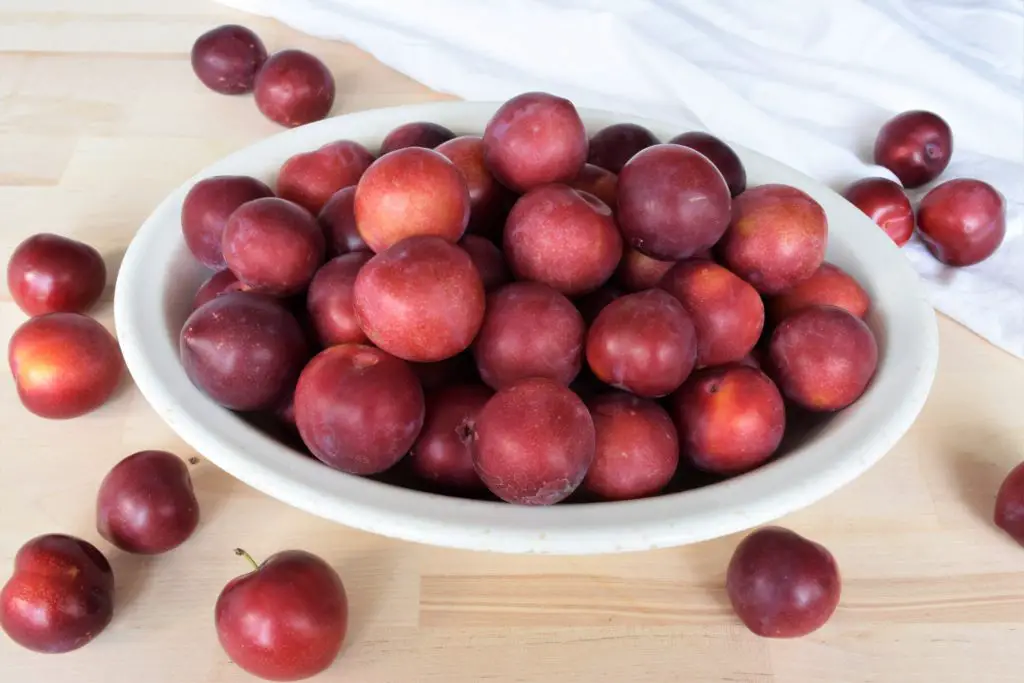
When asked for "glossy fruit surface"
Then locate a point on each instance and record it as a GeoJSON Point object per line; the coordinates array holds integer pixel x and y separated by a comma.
{"type": "Point", "coordinates": [782, 585]}
{"type": "Point", "coordinates": [330, 300]}
{"type": "Point", "coordinates": [338, 220]}
{"type": "Point", "coordinates": [487, 197]}
{"type": "Point", "coordinates": [64, 364]}
{"type": "Point", "coordinates": [1009, 508]}
{"type": "Point", "coordinates": [612, 146]}
{"type": "Point", "coordinates": [884, 202]}
{"type": "Point", "coordinates": [60, 596]}
{"type": "Point", "coordinates": [286, 620]}
{"type": "Point", "coordinates": [644, 343]}
{"type": "Point", "coordinates": [358, 409]}
{"type": "Point", "coordinates": [227, 58]}
{"type": "Point", "coordinates": [916, 146]}
{"type": "Point", "coordinates": [243, 350]}
{"type": "Point", "coordinates": [310, 179]}
{"type": "Point", "coordinates": [416, 134]}
{"type": "Point", "coordinates": [533, 139]}
{"type": "Point", "coordinates": [962, 221]}
{"type": "Point", "coordinates": [206, 209]}
{"type": "Point", "coordinates": [822, 357]}
{"type": "Point", "coordinates": [53, 274]}
{"type": "Point", "coordinates": [672, 202]}
{"type": "Point", "coordinates": [146, 503]}
{"type": "Point", "coordinates": [294, 88]}
{"type": "Point", "coordinates": [273, 246]}
{"type": "Point", "coordinates": [720, 154]}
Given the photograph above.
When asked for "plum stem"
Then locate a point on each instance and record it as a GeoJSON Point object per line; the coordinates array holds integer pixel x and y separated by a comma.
{"type": "Point", "coordinates": [242, 553]}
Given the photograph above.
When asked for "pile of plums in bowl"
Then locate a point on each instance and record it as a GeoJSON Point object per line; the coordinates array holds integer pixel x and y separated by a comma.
{"type": "Point", "coordinates": [526, 314]}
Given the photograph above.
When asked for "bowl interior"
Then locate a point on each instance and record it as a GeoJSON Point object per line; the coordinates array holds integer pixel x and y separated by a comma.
{"type": "Point", "coordinates": [158, 279]}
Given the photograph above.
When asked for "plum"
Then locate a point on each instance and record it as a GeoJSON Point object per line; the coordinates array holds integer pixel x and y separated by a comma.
{"type": "Point", "coordinates": [637, 449]}
{"type": "Point", "coordinates": [310, 179]}
{"type": "Point", "coordinates": [562, 237]}
{"type": "Point", "coordinates": [284, 621]}
{"type": "Point", "coordinates": [962, 221]}
{"type": "Point", "coordinates": [358, 409]}
{"type": "Point", "coordinates": [221, 282]}
{"type": "Point", "coordinates": [638, 271]}
{"type": "Point", "coordinates": [590, 305]}
{"type": "Point", "coordinates": [243, 350]}
{"type": "Point", "coordinates": [459, 369]}
{"type": "Point", "coordinates": [146, 503]}
{"type": "Point", "coordinates": [599, 182]}
{"type": "Point", "coordinates": [830, 285]}
{"type": "Point", "coordinates": [411, 192]}
{"type": "Point", "coordinates": [751, 360]}
{"type": "Point", "coordinates": [720, 154]}
{"type": "Point", "coordinates": [612, 146]}
{"type": "Point", "coordinates": [53, 274]}
{"type": "Point", "coordinates": [330, 300]}
{"type": "Point", "coordinates": [60, 596]}
{"type": "Point", "coordinates": [416, 134]}
{"type": "Point", "coordinates": [730, 418]}
{"type": "Point", "coordinates": [294, 88]}
{"type": "Point", "coordinates": [645, 343]}
{"type": "Point", "coordinates": [273, 246]}
{"type": "Point", "coordinates": [727, 312]}
{"type": "Point", "coordinates": [916, 146]}
{"type": "Point", "coordinates": [1009, 510]}
{"type": "Point", "coordinates": [487, 197]}
{"type": "Point", "coordinates": [533, 139]}
{"type": "Point", "coordinates": [672, 202]}
{"type": "Point", "coordinates": [822, 357]}
{"type": "Point", "coordinates": [529, 330]}
{"type": "Point", "coordinates": [488, 261]}
{"type": "Point", "coordinates": [338, 220]}
{"type": "Point", "coordinates": [884, 202]}
{"type": "Point", "coordinates": [227, 58]}
{"type": "Point", "coordinates": [776, 238]}
{"type": "Point", "coordinates": [442, 454]}
{"type": "Point", "coordinates": [782, 585]}
{"type": "Point", "coordinates": [421, 300]}
{"type": "Point", "coordinates": [64, 364]}
{"type": "Point", "coordinates": [206, 209]}
{"type": "Point", "coordinates": [533, 442]}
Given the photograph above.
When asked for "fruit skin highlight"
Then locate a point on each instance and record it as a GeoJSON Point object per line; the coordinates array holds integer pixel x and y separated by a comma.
{"type": "Point", "coordinates": [146, 504]}
{"type": "Point", "coordinates": [64, 365]}
{"type": "Point", "coordinates": [782, 585]}
{"type": "Point", "coordinates": [60, 596]}
{"type": "Point", "coordinates": [286, 620]}
{"type": "Point", "coordinates": [53, 274]}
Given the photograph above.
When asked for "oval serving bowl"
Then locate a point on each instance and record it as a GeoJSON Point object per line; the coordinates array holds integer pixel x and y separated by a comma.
{"type": "Point", "coordinates": [158, 279]}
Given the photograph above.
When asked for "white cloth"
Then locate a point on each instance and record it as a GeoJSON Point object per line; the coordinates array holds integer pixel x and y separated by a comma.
{"type": "Point", "coordinates": [807, 82]}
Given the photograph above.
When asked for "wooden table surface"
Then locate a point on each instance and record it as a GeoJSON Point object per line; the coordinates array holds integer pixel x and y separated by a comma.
{"type": "Point", "coordinates": [100, 117]}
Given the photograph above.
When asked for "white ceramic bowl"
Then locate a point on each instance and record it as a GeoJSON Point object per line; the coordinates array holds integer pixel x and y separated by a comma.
{"type": "Point", "coordinates": [158, 279]}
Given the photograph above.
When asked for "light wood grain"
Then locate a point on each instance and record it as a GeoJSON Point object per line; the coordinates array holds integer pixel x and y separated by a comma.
{"type": "Point", "coordinates": [100, 117]}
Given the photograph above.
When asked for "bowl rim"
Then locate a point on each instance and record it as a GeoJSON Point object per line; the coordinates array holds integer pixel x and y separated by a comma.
{"type": "Point", "coordinates": [862, 434]}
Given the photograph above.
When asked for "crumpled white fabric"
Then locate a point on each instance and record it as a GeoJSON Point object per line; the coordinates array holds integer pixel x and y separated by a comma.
{"type": "Point", "coordinates": [804, 81]}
